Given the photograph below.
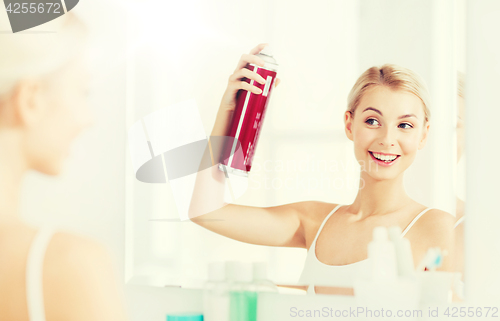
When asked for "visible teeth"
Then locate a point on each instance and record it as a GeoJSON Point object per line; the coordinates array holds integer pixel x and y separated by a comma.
{"type": "Point", "coordinates": [384, 157]}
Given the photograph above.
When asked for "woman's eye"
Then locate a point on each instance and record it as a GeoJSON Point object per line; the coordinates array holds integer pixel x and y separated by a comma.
{"type": "Point", "coordinates": [409, 126]}
{"type": "Point", "coordinates": [370, 121]}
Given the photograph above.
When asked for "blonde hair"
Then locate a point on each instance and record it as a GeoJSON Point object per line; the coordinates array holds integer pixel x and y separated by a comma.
{"type": "Point", "coordinates": [39, 50]}
{"type": "Point", "coordinates": [393, 77]}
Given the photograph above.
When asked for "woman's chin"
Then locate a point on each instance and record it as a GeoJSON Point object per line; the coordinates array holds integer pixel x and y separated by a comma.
{"type": "Point", "coordinates": [380, 176]}
{"type": "Point", "coordinates": [52, 172]}
{"type": "Point", "coordinates": [52, 169]}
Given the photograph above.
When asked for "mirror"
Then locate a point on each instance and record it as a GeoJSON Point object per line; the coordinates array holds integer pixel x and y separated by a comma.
{"type": "Point", "coordinates": [186, 52]}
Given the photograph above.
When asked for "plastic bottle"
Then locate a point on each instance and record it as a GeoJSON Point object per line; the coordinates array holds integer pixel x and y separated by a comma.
{"type": "Point", "coordinates": [260, 281]}
{"type": "Point", "coordinates": [241, 298]}
{"type": "Point", "coordinates": [216, 294]}
{"type": "Point", "coordinates": [404, 255]}
{"type": "Point", "coordinates": [382, 255]}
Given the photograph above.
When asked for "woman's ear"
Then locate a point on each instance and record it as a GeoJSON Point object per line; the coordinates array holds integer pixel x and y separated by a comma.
{"type": "Point", "coordinates": [425, 133]}
{"type": "Point", "coordinates": [26, 104]}
{"type": "Point", "coordinates": [348, 124]}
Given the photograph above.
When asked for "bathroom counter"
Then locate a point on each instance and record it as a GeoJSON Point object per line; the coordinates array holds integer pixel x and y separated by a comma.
{"type": "Point", "coordinates": [282, 307]}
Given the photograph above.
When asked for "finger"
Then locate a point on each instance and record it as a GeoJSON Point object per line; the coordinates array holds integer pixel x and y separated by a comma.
{"type": "Point", "coordinates": [249, 59]}
{"type": "Point", "coordinates": [277, 82]}
{"type": "Point", "coordinates": [246, 86]}
{"type": "Point", "coordinates": [258, 49]}
{"type": "Point", "coordinates": [247, 73]}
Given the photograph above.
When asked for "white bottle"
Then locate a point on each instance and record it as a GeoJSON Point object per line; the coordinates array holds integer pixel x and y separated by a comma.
{"type": "Point", "coordinates": [260, 281]}
{"type": "Point", "coordinates": [216, 294]}
{"type": "Point", "coordinates": [404, 255]}
{"type": "Point", "coordinates": [382, 255]}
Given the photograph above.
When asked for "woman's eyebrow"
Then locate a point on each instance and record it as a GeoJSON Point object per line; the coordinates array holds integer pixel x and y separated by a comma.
{"type": "Point", "coordinates": [407, 116]}
{"type": "Point", "coordinates": [374, 109]}
{"type": "Point", "coordinates": [378, 111]}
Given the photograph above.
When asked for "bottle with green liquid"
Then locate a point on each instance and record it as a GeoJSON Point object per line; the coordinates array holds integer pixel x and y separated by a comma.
{"type": "Point", "coordinates": [242, 299]}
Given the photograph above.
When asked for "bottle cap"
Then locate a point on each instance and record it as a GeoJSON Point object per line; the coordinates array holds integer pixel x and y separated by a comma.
{"type": "Point", "coordinates": [380, 233]}
{"type": "Point", "coordinates": [216, 271]}
{"type": "Point", "coordinates": [395, 233]}
{"type": "Point", "coordinates": [231, 270]}
{"type": "Point", "coordinates": [259, 270]}
{"type": "Point", "coordinates": [244, 272]}
{"type": "Point", "coordinates": [185, 317]}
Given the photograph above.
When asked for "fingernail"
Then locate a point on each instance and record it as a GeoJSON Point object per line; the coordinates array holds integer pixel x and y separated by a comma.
{"type": "Point", "coordinates": [259, 90]}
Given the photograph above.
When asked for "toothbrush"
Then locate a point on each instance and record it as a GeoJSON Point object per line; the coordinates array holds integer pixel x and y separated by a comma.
{"type": "Point", "coordinates": [432, 260]}
{"type": "Point", "coordinates": [437, 262]}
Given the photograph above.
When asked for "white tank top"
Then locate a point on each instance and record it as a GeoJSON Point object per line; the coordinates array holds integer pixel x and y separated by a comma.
{"type": "Point", "coordinates": [316, 272]}
{"type": "Point", "coordinates": [34, 265]}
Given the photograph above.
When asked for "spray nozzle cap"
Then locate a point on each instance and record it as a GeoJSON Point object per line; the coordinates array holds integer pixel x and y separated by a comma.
{"type": "Point", "coordinates": [267, 51]}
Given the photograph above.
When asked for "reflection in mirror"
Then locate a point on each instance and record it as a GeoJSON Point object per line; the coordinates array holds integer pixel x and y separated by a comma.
{"type": "Point", "coordinates": [324, 173]}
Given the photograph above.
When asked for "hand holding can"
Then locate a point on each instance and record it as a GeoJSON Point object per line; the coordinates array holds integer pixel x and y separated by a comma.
{"type": "Point", "coordinates": [239, 80]}
{"type": "Point", "coordinates": [247, 95]}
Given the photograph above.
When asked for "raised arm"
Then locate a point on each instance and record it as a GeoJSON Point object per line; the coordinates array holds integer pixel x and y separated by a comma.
{"type": "Point", "coordinates": [272, 226]}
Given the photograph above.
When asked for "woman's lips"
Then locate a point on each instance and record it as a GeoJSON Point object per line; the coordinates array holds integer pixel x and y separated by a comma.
{"type": "Point", "coordinates": [382, 163]}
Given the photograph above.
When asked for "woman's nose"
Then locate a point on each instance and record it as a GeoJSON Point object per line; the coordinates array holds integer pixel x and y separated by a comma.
{"type": "Point", "coordinates": [387, 137]}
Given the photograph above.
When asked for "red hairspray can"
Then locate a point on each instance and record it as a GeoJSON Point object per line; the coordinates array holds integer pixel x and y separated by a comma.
{"type": "Point", "coordinates": [247, 119]}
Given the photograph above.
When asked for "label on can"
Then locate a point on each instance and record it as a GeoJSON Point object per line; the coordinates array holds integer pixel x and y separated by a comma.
{"type": "Point", "coordinates": [268, 84]}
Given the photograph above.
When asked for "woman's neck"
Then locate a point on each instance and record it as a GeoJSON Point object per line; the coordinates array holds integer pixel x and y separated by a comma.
{"type": "Point", "coordinates": [12, 170]}
{"type": "Point", "coordinates": [377, 197]}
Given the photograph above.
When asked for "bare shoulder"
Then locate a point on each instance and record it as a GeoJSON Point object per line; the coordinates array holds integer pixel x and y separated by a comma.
{"type": "Point", "coordinates": [80, 272]}
{"type": "Point", "coordinates": [75, 260]}
{"type": "Point", "coordinates": [313, 212]}
{"type": "Point", "coordinates": [433, 229]}
{"type": "Point", "coordinates": [436, 220]}
{"type": "Point", "coordinates": [76, 250]}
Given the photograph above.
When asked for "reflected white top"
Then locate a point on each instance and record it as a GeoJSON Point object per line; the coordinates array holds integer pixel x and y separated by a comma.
{"type": "Point", "coordinates": [316, 272]}
{"type": "Point", "coordinates": [34, 272]}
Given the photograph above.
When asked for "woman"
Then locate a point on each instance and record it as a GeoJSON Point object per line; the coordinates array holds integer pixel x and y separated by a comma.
{"type": "Point", "coordinates": [387, 118]}
{"type": "Point", "coordinates": [46, 273]}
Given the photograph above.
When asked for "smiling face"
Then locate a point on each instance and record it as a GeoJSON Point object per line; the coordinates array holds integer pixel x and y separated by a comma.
{"type": "Point", "coordinates": [387, 129]}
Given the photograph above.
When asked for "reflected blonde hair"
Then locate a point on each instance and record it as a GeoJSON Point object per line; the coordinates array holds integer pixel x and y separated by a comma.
{"type": "Point", "coordinates": [394, 77]}
{"type": "Point", "coordinates": [40, 50]}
